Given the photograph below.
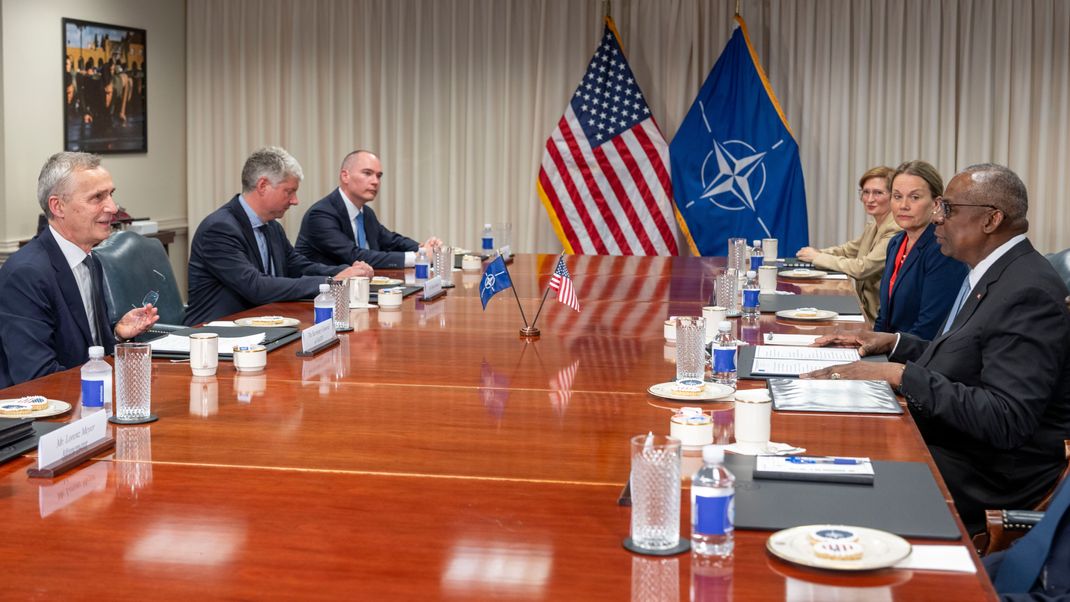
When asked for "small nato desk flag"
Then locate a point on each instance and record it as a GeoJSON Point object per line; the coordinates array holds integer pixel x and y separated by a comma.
{"type": "Point", "coordinates": [735, 163]}
{"type": "Point", "coordinates": [495, 280]}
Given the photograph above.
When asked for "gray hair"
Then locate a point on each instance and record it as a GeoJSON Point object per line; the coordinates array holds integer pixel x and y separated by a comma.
{"type": "Point", "coordinates": [270, 162]}
{"type": "Point", "coordinates": [56, 174]}
{"type": "Point", "coordinates": [1002, 188]}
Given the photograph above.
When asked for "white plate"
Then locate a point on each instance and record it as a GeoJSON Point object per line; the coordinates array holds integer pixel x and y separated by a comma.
{"type": "Point", "coordinates": [362, 306]}
{"type": "Point", "coordinates": [803, 273]}
{"type": "Point", "coordinates": [267, 321]}
{"type": "Point", "coordinates": [55, 408]}
{"type": "Point", "coordinates": [710, 392]}
{"type": "Point", "coordinates": [793, 314]}
{"type": "Point", "coordinates": [384, 281]}
{"type": "Point", "coordinates": [880, 548]}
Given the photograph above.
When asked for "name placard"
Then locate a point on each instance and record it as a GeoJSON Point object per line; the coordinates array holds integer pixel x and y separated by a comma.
{"type": "Point", "coordinates": [314, 337]}
{"type": "Point", "coordinates": [432, 288]}
{"type": "Point", "coordinates": [71, 439]}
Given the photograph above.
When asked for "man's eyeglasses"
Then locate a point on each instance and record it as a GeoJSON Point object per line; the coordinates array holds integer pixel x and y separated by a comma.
{"type": "Point", "coordinates": [943, 209]}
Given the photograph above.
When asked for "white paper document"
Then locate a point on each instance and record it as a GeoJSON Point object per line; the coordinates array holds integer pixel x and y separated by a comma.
{"type": "Point", "coordinates": [834, 277]}
{"type": "Point", "coordinates": [938, 558]}
{"type": "Point", "coordinates": [782, 360]}
{"type": "Point", "coordinates": [814, 466]}
{"type": "Point", "coordinates": [849, 318]}
{"type": "Point", "coordinates": [795, 340]}
{"type": "Point", "coordinates": [178, 344]}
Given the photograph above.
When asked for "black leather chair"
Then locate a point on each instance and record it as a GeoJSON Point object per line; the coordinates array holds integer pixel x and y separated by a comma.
{"type": "Point", "coordinates": [133, 266]}
{"type": "Point", "coordinates": [1061, 262]}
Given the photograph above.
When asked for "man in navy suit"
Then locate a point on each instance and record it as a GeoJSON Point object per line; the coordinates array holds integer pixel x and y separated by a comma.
{"type": "Point", "coordinates": [341, 227]}
{"type": "Point", "coordinates": [52, 306]}
{"type": "Point", "coordinates": [991, 392]}
{"type": "Point", "coordinates": [240, 257]}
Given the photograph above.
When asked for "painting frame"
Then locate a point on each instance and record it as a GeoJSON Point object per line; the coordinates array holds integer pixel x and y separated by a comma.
{"type": "Point", "coordinates": [105, 89]}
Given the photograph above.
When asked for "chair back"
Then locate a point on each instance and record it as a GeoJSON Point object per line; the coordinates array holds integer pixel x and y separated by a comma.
{"type": "Point", "coordinates": [133, 266]}
{"type": "Point", "coordinates": [1061, 262]}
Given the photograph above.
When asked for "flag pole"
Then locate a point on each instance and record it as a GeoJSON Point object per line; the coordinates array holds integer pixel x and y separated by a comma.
{"type": "Point", "coordinates": [605, 8]}
{"type": "Point", "coordinates": [546, 292]}
{"type": "Point", "coordinates": [738, 2]}
{"type": "Point", "coordinates": [527, 331]}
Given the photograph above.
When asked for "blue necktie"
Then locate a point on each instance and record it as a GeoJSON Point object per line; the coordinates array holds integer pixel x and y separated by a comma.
{"type": "Point", "coordinates": [959, 302]}
{"type": "Point", "coordinates": [362, 239]}
{"type": "Point", "coordinates": [265, 248]}
{"type": "Point", "coordinates": [1023, 562]}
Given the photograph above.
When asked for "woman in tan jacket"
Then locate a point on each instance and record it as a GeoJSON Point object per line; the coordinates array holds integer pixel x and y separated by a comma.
{"type": "Point", "coordinates": [863, 257]}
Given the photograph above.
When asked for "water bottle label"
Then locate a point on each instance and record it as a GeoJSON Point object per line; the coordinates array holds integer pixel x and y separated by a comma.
{"type": "Point", "coordinates": [724, 359]}
{"type": "Point", "coordinates": [92, 393]}
{"type": "Point", "coordinates": [750, 297]}
{"type": "Point", "coordinates": [324, 313]}
{"type": "Point", "coordinates": [421, 271]}
{"type": "Point", "coordinates": [488, 243]}
{"type": "Point", "coordinates": [755, 262]}
{"type": "Point", "coordinates": [714, 515]}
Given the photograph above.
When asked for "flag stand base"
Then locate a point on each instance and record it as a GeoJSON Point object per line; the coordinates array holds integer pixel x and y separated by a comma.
{"type": "Point", "coordinates": [529, 332]}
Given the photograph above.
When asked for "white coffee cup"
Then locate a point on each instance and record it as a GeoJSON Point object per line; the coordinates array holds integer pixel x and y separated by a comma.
{"type": "Point", "coordinates": [714, 315]}
{"type": "Point", "coordinates": [767, 279]}
{"type": "Point", "coordinates": [359, 290]}
{"type": "Point", "coordinates": [471, 262]}
{"type": "Point", "coordinates": [390, 298]}
{"type": "Point", "coordinates": [753, 417]}
{"type": "Point", "coordinates": [251, 358]}
{"type": "Point", "coordinates": [769, 251]}
{"type": "Point", "coordinates": [204, 353]}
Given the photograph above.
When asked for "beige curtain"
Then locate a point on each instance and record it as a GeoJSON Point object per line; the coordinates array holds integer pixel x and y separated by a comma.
{"type": "Point", "coordinates": [458, 96]}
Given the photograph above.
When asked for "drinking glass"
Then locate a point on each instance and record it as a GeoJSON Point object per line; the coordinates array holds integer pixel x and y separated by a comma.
{"type": "Point", "coordinates": [737, 255]}
{"type": "Point", "coordinates": [727, 291]}
{"type": "Point", "coordinates": [655, 488]}
{"type": "Point", "coordinates": [690, 351]}
{"type": "Point", "coordinates": [340, 292]}
{"type": "Point", "coordinates": [133, 381]}
{"type": "Point", "coordinates": [503, 237]}
{"type": "Point", "coordinates": [443, 265]}
{"type": "Point", "coordinates": [769, 251]}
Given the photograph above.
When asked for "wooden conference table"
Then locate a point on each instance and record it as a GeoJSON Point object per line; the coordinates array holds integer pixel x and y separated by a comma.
{"type": "Point", "coordinates": [433, 454]}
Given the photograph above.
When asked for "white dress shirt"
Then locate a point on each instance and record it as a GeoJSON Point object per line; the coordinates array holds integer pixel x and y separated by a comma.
{"type": "Point", "coordinates": [353, 212]}
{"type": "Point", "coordinates": [77, 260]}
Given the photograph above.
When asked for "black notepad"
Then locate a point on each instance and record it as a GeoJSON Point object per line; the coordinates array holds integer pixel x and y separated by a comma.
{"type": "Point", "coordinates": [904, 499]}
{"type": "Point", "coordinates": [842, 304]}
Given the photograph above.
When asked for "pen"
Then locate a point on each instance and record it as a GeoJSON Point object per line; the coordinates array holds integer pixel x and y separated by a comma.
{"type": "Point", "coordinates": [801, 460]}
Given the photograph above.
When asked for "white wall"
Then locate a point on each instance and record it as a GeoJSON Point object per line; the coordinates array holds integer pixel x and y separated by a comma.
{"type": "Point", "coordinates": [149, 184]}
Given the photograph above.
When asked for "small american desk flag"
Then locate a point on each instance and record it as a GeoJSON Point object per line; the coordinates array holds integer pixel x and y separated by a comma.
{"type": "Point", "coordinates": [604, 179]}
{"type": "Point", "coordinates": [561, 282]}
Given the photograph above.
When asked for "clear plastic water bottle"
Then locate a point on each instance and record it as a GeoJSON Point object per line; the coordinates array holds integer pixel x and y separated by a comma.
{"type": "Point", "coordinates": [756, 256]}
{"type": "Point", "coordinates": [96, 380]}
{"type": "Point", "coordinates": [422, 265]}
{"type": "Point", "coordinates": [723, 357]}
{"type": "Point", "coordinates": [488, 240]}
{"type": "Point", "coordinates": [713, 506]}
{"type": "Point", "coordinates": [324, 304]}
{"type": "Point", "coordinates": [750, 295]}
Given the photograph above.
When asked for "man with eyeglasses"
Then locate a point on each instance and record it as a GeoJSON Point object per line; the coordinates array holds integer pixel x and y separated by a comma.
{"type": "Point", "coordinates": [991, 393]}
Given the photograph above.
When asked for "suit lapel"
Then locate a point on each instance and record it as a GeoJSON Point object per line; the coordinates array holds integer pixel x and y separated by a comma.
{"type": "Point", "coordinates": [913, 256]}
{"type": "Point", "coordinates": [100, 307]}
{"type": "Point", "coordinates": [67, 285]}
{"type": "Point", "coordinates": [342, 214]}
{"type": "Point", "coordinates": [371, 228]}
{"type": "Point", "coordinates": [234, 206]}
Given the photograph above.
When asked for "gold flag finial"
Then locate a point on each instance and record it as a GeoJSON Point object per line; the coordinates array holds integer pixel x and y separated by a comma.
{"type": "Point", "coordinates": [738, 2]}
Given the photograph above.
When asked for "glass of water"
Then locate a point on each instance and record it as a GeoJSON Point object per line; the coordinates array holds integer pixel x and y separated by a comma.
{"type": "Point", "coordinates": [340, 292]}
{"type": "Point", "coordinates": [655, 489]}
{"type": "Point", "coordinates": [133, 381]}
{"type": "Point", "coordinates": [443, 264]}
{"type": "Point", "coordinates": [737, 254]}
{"type": "Point", "coordinates": [727, 291]}
{"type": "Point", "coordinates": [690, 352]}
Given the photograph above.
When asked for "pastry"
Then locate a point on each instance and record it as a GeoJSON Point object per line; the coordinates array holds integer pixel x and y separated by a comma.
{"type": "Point", "coordinates": [37, 402]}
{"type": "Point", "coordinates": [839, 550]}
{"type": "Point", "coordinates": [267, 321]}
{"type": "Point", "coordinates": [806, 312]}
{"type": "Point", "coordinates": [823, 534]}
{"type": "Point", "coordinates": [15, 408]}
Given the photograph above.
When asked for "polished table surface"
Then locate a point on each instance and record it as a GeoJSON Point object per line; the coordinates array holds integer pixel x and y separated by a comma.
{"type": "Point", "coordinates": [433, 454]}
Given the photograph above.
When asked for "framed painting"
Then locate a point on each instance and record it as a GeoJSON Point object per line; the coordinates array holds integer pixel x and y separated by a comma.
{"type": "Point", "coordinates": [104, 88]}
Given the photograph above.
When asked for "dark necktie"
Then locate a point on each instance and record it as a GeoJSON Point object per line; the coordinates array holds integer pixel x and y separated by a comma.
{"type": "Point", "coordinates": [1023, 562]}
{"type": "Point", "coordinates": [267, 249]}
{"type": "Point", "coordinates": [100, 309]}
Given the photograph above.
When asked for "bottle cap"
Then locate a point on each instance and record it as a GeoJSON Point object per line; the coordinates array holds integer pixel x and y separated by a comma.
{"type": "Point", "coordinates": [486, 226]}
{"type": "Point", "coordinates": [324, 288]}
{"type": "Point", "coordinates": [751, 273]}
{"type": "Point", "coordinates": [713, 454]}
{"type": "Point", "coordinates": [724, 326]}
{"type": "Point", "coordinates": [758, 242]}
{"type": "Point", "coordinates": [96, 352]}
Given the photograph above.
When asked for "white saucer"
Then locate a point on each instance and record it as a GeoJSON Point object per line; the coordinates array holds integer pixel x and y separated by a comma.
{"type": "Point", "coordinates": [803, 273]}
{"type": "Point", "coordinates": [880, 549]}
{"type": "Point", "coordinates": [362, 306]}
{"type": "Point", "coordinates": [711, 391]}
{"type": "Point", "coordinates": [819, 315]}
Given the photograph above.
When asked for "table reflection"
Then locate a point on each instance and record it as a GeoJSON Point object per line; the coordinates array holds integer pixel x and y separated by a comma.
{"type": "Point", "coordinates": [208, 542]}
{"type": "Point", "coordinates": [711, 578]}
{"type": "Point", "coordinates": [133, 456]}
{"type": "Point", "coordinates": [655, 579]}
{"type": "Point", "coordinates": [54, 495]}
{"type": "Point", "coordinates": [247, 386]}
{"type": "Point", "coordinates": [497, 568]}
{"type": "Point", "coordinates": [204, 396]}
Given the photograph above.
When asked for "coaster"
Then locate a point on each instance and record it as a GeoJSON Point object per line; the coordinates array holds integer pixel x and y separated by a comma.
{"type": "Point", "coordinates": [117, 420]}
{"type": "Point", "coordinates": [680, 548]}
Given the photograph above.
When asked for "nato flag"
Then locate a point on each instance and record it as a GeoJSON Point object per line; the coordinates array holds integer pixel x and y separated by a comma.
{"type": "Point", "coordinates": [495, 279]}
{"type": "Point", "coordinates": [735, 164]}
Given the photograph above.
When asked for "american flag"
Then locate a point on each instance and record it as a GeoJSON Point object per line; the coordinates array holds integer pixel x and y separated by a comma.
{"type": "Point", "coordinates": [561, 282]}
{"type": "Point", "coordinates": [604, 178]}
{"type": "Point", "coordinates": [561, 388]}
